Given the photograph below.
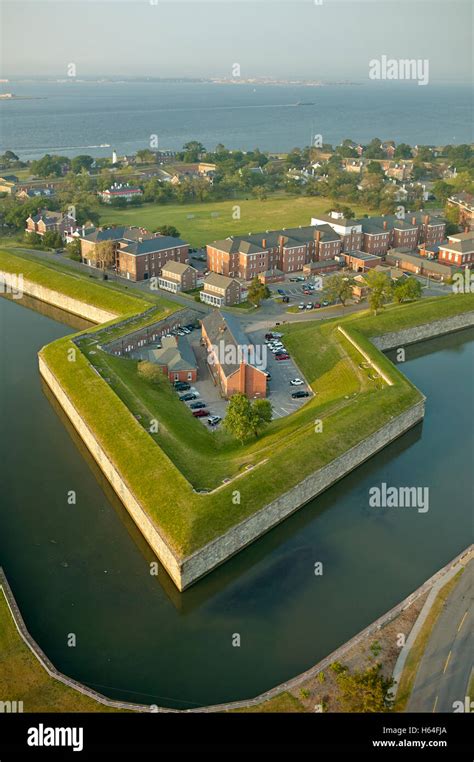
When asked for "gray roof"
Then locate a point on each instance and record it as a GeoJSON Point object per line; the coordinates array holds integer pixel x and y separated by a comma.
{"type": "Point", "coordinates": [225, 327]}
{"type": "Point", "coordinates": [175, 353]}
{"type": "Point", "coordinates": [176, 268]}
{"type": "Point", "coordinates": [254, 243]}
{"type": "Point", "coordinates": [219, 281]}
{"type": "Point", "coordinates": [416, 259]}
{"type": "Point", "coordinates": [149, 245]}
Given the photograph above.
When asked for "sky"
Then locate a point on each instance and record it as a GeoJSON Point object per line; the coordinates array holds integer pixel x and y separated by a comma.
{"type": "Point", "coordinates": [311, 39]}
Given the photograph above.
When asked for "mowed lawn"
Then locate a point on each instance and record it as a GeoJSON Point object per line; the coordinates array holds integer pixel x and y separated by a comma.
{"type": "Point", "coordinates": [204, 222]}
{"type": "Point", "coordinates": [22, 677]}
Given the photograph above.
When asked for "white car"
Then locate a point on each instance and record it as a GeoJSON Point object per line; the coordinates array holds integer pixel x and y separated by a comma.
{"type": "Point", "coordinates": [296, 382]}
{"type": "Point", "coordinates": [278, 349]}
{"type": "Point", "coordinates": [301, 306]}
{"type": "Point", "coordinates": [277, 335]}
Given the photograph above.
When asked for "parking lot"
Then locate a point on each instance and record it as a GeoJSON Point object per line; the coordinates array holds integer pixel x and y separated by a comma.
{"type": "Point", "coordinates": [280, 389]}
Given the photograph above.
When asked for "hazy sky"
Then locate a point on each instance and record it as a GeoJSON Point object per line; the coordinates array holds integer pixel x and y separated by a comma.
{"type": "Point", "coordinates": [294, 38]}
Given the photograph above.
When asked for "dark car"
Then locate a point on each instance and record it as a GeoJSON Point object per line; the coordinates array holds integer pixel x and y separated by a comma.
{"type": "Point", "coordinates": [200, 413]}
{"type": "Point", "coordinates": [300, 393]}
{"type": "Point", "coordinates": [269, 335]}
{"type": "Point", "coordinates": [197, 405]}
{"type": "Point", "coordinates": [286, 299]}
{"type": "Point", "coordinates": [282, 357]}
{"type": "Point", "coordinates": [188, 397]}
{"type": "Point", "coordinates": [181, 386]}
{"type": "Point", "coordinates": [280, 291]}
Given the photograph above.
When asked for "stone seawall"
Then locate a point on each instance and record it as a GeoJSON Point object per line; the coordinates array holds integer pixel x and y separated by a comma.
{"type": "Point", "coordinates": [423, 332]}
{"type": "Point", "coordinates": [138, 514]}
{"type": "Point", "coordinates": [66, 303]}
{"type": "Point", "coordinates": [216, 552]}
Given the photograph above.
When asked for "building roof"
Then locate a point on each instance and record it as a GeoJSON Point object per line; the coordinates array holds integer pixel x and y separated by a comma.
{"type": "Point", "coordinates": [361, 255]}
{"type": "Point", "coordinates": [225, 327]}
{"type": "Point", "coordinates": [176, 268]}
{"type": "Point", "coordinates": [218, 281]}
{"type": "Point", "coordinates": [49, 218]}
{"type": "Point", "coordinates": [150, 245]}
{"type": "Point", "coordinates": [175, 353]}
{"type": "Point", "coordinates": [416, 259]}
{"type": "Point", "coordinates": [466, 246]}
{"type": "Point", "coordinates": [255, 243]}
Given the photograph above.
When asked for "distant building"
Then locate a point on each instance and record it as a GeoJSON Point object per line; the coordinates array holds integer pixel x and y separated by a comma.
{"type": "Point", "coordinates": [175, 358]}
{"type": "Point", "coordinates": [177, 276]}
{"type": "Point", "coordinates": [49, 222]}
{"type": "Point", "coordinates": [220, 291]}
{"type": "Point", "coordinates": [28, 193]}
{"type": "Point", "coordinates": [8, 184]}
{"type": "Point", "coordinates": [232, 358]}
{"type": "Point", "coordinates": [119, 191]}
{"type": "Point", "coordinates": [465, 203]}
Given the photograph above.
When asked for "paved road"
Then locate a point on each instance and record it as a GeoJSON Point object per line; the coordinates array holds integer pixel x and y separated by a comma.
{"type": "Point", "coordinates": [443, 674]}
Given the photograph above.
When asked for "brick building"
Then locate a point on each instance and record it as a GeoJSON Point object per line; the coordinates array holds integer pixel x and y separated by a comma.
{"type": "Point", "coordinates": [139, 254]}
{"type": "Point", "coordinates": [232, 358]}
{"type": "Point", "coordinates": [49, 222]}
{"type": "Point", "coordinates": [177, 276]}
{"type": "Point", "coordinates": [220, 291]}
{"type": "Point", "coordinates": [465, 203]}
{"type": "Point", "coordinates": [361, 261]}
{"type": "Point", "coordinates": [458, 251]}
{"type": "Point", "coordinates": [122, 191]}
{"type": "Point", "coordinates": [418, 265]}
{"type": "Point", "coordinates": [175, 358]}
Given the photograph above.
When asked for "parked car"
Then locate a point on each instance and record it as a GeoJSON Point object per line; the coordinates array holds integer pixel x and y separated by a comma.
{"type": "Point", "coordinates": [317, 305]}
{"type": "Point", "coordinates": [326, 303]}
{"type": "Point", "coordinates": [300, 279]}
{"type": "Point", "coordinates": [197, 405]}
{"type": "Point", "coordinates": [301, 306]}
{"type": "Point", "coordinates": [269, 336]}
{"type": "Point", "coordinates": [286, 299]}
{"type": "Point", "coordinates": [283, 357]}
{"type": "Point", "coordinates": [299, 393]}
{"type": "Point", "coordinates": [277, 335]}
{"type": "Point", "coordinates": [296, 381]}
{"type": "Point", "coordinates": [185, 329]}
{"type": "Point", "coordinates": [213, 420]}
{"type": "Point", "coordinates": [181, 386]}
{"type": "Point", "coordinates": [189, 327]}
{"type": "Point", "coordinates": [200, 413]}
{"type": "Point", "coordinates": [281, 351]}
{"type": "Point", "coordinates": [306, 292]}
{"type": "Point", "coordinates": [281, 291]}
{"type": "Point", "coordinates": [293, 280]}
{"type": "Point", "coordinates": [188, 397]}
{"type": "Point", "coordinates": [309, 306]}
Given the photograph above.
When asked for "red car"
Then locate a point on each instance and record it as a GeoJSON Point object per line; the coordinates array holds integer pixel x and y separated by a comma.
{"type": "Point", "coordinates": [200, 413]}
{"type": "Point", "coordinates": [282, 357]}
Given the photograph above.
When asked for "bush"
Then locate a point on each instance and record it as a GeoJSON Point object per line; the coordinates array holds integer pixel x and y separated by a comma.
{"type": "Point", "coordinates": [337, 667]}
{"type": "Point", "coordinates": [149, 372]}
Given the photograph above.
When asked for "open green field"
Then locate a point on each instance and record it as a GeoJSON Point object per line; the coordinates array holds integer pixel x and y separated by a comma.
{"type": "Point", "coordinates": [198, 226]}
{"type": "Point", "coordinates": [23, 678]}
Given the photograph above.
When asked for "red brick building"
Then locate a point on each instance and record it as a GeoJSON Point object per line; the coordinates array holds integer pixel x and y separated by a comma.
{"type": "Point", "coordinates": [175, 358]}
{"type": "Point", "coordinates": [465, 203]}
{"type": "Point", "coordinates": [232, 358]}
{"type": "Point", "coordinates": [49, 222]}
{"type": "Point", "coordinates": [458, 251]}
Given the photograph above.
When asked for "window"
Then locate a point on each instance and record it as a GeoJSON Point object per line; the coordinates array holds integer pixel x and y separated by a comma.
{"type": "Point", "coordinates": [176, 376]}
{"type": "Point", "coordinates": [190, 376]}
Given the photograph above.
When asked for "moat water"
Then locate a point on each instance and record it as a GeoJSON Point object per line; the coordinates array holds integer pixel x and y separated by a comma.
{"type": "Point", "coordinates": [84, 568]}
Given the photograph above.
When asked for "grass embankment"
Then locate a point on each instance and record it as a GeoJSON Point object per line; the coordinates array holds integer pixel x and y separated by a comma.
{"type": "Point", "coordinates": [73, 285]}
{"type": "Point", "coordinates": [23, 678]}
{"type": "Point", "coordinates": [198, 226]}
{"type": "Point", "coordinates": [350, 401]}
{"type": "Point", "coordinates": [418, 648]}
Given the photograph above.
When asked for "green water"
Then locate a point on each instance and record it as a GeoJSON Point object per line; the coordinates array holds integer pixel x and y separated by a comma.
{"type": "Point", "coordinates": [84, 569]}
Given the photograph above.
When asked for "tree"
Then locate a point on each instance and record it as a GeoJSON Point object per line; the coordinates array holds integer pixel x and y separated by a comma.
{"type": "Point", "coordinates": [257, 291]}
{"type": "Point", "coordinates": [380, 290]}
{"type": "Point", "coordinates": [34, 240]}
{"type": "Point", "coordinates": [50, 165]}
{"type": "Point", "coordinates": [168, 230]}
{"type": "Point", "coordinates": [78, 163]}
{"type": "Point", "coordinates": [52, 240]}
{"type": "Point", "coordinates": [442, 190]}
{"type": "Point", "coordinates": [149, 372]}
{"type": "Point", "coordinates": [193, 151]}
{"type": "Point", "coordinates": [402, 151]}
{"type": "Point", "coordinates": [73, 250]}
{"type": "Point", "coordinates": [406, 290]}
{"type": "Point", "coordinates": [374, 167]}
{"type": "Point", "coordinates": [338, 286]}
{"type": "Point", "coordinates": [245, 418]}
{"type": "Point", "coordinates": [103, 254]}
{"type": "Point", "coordinates": [374, 150]}
{"type": "Point", "coordinates": [365, 691]}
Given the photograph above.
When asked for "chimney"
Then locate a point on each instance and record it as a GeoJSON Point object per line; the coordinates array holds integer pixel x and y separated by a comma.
{"type": "Point", "coordinates": [413, 220]}
{"type": "Point", "coordinates": [385, 223]}
{"type": "Point", "coordinates": [264, 243]}
{"type": "Point", "coordinates": [317, 235]}
{"type": "Point", "coordinates": [426, 219]}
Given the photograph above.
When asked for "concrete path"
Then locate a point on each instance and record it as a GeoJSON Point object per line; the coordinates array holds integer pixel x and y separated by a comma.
{"type": "Point", "coordinates": [444, 670]}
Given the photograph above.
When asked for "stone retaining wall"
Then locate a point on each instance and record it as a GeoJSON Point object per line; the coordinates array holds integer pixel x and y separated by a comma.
{"type": "Point", "coordinates": [66, 303]}
{"type": "Point", "coordinates": [231, 542]}
{"type": "Point", "coordinates": [422, 332]}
